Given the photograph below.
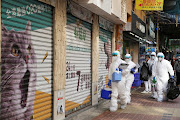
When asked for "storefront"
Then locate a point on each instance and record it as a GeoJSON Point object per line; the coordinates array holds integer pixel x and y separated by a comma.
{"type": "Point", "coordinates": [134, 33]}
{"type": "Point", "coordinates": [105, 50]}
{"type": "Point", "coordinates": [78, 58]}
{"type": "Point", "coordinates": [27, 60]}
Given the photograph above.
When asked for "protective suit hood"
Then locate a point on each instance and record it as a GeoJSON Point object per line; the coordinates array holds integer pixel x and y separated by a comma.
{"type": "Point", "coordinates": [127, 58]}
{"type": "Point", "coordinates": [160, 56]}
{"type": "Point", "coordinates": [115, 56]}
{"type": "Point", "coordinates": [153, 55]}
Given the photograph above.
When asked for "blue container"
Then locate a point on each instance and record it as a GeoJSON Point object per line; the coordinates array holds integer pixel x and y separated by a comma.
{"type": "Point", "coordinates": [106, 93]}
{"type": "Point", "coordinates": [136, 83]}
{"type": "Point", "coordinates": [116, 76]}
{"type": "Point", "coordinates": [137, 76]}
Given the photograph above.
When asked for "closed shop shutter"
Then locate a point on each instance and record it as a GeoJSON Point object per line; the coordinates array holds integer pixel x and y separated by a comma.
{"type": "Point", "coordinates": [105, 40]}
{"type": "Point", "coordinates": [78, 60]}
{"type": "Point", "coordinates": [27, 60]}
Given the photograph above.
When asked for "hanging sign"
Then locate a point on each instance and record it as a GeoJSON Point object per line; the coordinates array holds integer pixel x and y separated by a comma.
{"type": "Point", "coordinates": [149, 4]}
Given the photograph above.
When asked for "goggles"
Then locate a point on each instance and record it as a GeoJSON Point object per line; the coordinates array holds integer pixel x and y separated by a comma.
{"type": "Point", "coordinates": [127, 57]}
{"type": "Point", "coordinates": [160, 56]}
{"type": "Point", "coordinates": [114, 54]}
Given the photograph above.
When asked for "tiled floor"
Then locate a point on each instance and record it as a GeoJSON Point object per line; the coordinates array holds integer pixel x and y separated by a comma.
{"type": "Point", "coordinates": [145, 108]}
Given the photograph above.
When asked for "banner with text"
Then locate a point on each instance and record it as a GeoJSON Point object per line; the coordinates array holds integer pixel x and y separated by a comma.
{"type": "Point", "coordinates": [149, 4]}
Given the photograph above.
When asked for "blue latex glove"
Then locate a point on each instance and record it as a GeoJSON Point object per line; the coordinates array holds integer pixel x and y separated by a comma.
{"type": "Point", "coordinates": [132, 71]}
{"type": "Point", "coordinates": [120, 69]}
{"type": "Point", "coordinates": [172, 77]}
{"type": "Point", "coordinates": [109, 83]}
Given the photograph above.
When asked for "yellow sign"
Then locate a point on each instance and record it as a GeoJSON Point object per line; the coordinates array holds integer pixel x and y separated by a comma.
{"type": "Point", "coordinates": [149, 4]}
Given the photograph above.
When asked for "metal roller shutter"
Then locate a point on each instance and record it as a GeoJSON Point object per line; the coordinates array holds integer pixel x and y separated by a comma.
{"type": "Point", "coordinates": [105, 40]}
{"type": "Point", "coordinates": [27, 60]}
{"type": "Point", "coordinates": [78, 60]}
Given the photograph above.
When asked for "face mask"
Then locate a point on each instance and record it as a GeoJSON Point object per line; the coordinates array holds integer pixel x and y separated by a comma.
{"type": "Point", "coordinates": [127, 60]}
{"type": "Point", "coordinates": [160, 59]}
{"type": "Point", "coordinates": [152, 57]}
{"type": "Point", "coordinates": [114, 58]}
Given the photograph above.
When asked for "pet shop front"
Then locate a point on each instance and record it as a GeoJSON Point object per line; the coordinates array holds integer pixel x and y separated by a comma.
{"type": "Point", "coordinates": [105, 44]}
{"type": "Point", "coordinates": [78, 58]}
{"type": "Point", "coordinates": [27, 60]}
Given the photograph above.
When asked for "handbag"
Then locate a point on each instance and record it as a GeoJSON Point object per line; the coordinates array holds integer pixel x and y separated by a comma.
{"type": "Point", "coordinates": [116, 76]}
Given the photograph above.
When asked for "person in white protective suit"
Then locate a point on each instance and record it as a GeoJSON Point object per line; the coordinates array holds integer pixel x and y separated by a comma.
{"type": "Point", "coordinates": [161, 71]}
{"type": "Point", "coordinates": [151, 63]}
{"type": "Point", "coordinates": [130, 76]}
{"type": "Point", "coordinates": [118, 88]}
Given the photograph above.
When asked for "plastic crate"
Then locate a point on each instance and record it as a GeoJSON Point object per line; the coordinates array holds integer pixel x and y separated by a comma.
{"type": "Point", "coordinates": [136, 83]}
{"type": "Point", "coordinates": [137, 76]}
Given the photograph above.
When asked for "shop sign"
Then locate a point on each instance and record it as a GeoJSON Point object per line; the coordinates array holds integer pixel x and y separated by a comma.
{"type": "Point", "coordinates": [105, 24]}
{"type": "Point", "coordinates": [149, 4]}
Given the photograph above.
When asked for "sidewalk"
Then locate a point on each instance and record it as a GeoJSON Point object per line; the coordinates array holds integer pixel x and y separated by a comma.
{"type": "Point", "coordinates": [141, 108]}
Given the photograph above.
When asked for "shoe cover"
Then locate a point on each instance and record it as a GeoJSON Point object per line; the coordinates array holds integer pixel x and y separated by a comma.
{"type": "Point", "coordinates": [113, 109]}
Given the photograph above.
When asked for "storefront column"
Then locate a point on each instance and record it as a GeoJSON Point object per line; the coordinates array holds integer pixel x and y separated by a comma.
{"type": "Point", "coordinates": [95, 59]}
{"type": "Point", "coordinates": [114, 39]}
{"type": "Point", "coordinates": [119, 38]}
{"type": "Point", "coordinates": [59, 69]}
{"type": "Point", "coordinates": [0, 52]}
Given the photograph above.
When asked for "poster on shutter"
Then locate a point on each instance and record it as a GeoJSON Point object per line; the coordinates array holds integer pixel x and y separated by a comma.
{"type": "Point", "coordinates": [105, 38]}
{"type": "Point", "coordinates": [60, 108]}
{"type": "Point", "coordinates": [78, 64]}
{"type": "Point", "coordinates": [26, 54]}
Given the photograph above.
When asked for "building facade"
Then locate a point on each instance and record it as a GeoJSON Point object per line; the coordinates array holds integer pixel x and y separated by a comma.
{"type": "Point", "coordinates": [55, 55]}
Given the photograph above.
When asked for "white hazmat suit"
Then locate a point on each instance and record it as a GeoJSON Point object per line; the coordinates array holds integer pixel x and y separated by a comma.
{"type": "Point", "coordinates": [151, 63]}
{"type": "Point", "coordinates": [118, 88]}
{"type": "Point", "coordinates": [130, 76]}
{"type": "Point", "coordinates": [161, 71]}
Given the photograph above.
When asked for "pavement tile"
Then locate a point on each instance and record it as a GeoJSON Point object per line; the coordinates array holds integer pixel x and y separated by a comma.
{"type": "Point", "coordinates": [145, 108]}
{"type": "Point", "coordinates": [175, 118]}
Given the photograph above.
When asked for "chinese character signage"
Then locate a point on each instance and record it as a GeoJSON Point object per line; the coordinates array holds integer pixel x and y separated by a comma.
{"type": "Point", "coordinates": [149, 4]}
